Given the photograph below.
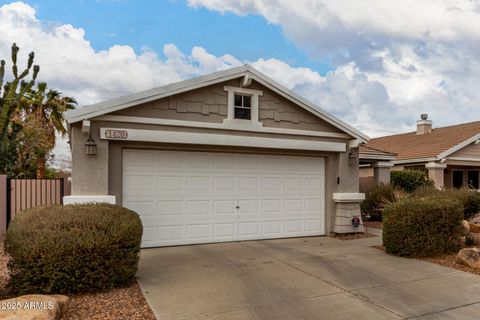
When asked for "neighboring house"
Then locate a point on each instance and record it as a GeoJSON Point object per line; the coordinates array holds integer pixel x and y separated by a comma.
{"type": "Point", "coordinates": [374, 167]}
{"type": "Point", "coordinates": [450, 155]}
{"type": "Point", "coordinates": [228, 156]}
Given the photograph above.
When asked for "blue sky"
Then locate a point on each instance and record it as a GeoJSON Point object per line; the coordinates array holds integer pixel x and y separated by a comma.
{"type": "Point", "coordinates": [152, 24]}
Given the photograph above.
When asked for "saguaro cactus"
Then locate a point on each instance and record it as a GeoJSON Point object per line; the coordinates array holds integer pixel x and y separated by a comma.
{"type": "Point", "coordinates": [13, 91]}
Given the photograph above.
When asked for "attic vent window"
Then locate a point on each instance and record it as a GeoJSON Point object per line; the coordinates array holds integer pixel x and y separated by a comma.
{"type": "Point", "coordinates": [242, 107]}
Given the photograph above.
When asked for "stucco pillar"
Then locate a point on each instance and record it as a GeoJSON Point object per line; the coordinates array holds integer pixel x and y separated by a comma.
{"type": "Point", "coordinates": [347, 199]}
{"type": "Point", "coordinates": [436, 173]}
{"type": "Point", "coordinates": [381, 172]}
{"type": "Point", "coordinates": [89, 172]}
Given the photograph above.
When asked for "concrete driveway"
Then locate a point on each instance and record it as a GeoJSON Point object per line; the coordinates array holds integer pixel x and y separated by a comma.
{"type": "Point", "coordinates": [301, 278]}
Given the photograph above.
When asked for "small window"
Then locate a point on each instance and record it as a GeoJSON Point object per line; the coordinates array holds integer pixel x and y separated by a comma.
{"type": "Point", "coordinates": [242, 107]}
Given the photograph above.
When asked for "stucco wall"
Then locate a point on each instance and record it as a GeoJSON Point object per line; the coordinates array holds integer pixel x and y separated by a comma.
{"type": "Point", "coordinates": [89, 172]}
{"type": "Point", "coordinates": [209, 104]}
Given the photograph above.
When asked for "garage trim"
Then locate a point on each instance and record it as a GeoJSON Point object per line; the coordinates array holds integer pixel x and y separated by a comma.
{"type": "Point", "coordinates": [218, 139]}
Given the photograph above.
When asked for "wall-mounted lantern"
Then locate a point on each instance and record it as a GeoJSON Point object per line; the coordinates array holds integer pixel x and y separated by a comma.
{"type": "Point", "coordinates": [90, 147]}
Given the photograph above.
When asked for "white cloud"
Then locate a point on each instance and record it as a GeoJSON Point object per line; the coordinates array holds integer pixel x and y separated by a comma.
{"type": "Point", "coordinates": [394, 60]}
{"type": "Point", "coordinates": [425, 54]}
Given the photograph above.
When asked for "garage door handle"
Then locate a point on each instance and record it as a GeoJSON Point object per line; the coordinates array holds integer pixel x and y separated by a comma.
{"type": "Point", "coordinates": [237, 207]}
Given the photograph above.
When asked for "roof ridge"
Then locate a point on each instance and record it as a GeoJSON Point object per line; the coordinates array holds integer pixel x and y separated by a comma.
{"type": "Point", "coordinates": [435, 128]}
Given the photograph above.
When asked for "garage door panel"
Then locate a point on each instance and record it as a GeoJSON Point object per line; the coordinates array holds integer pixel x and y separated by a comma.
{"type": "Point", "coordinates": [293, 226]}
{"type": "Point", "coordinates": [248, 163]}
{"type": "Point", "coordinates": [313, 225]}
{"type": "Point", "coordinates": [271, 163]}
{"type": "Point", "coordinates": [247, 206]}
{"type": "Point", "coordinates": [271, 206]}
{"type": "Point", "coordinates": [248, 184]}
{"type": "Point", "coordinates": [224, 184]}
{"type": "Point", "coordinates": [198, 207]}
{"type": "Point", "coordinates": [224, 206]}
{"type": "Point", "coordinates": [224, 230]}
{"type": "Point", "coordinates": [293, 205]}
{"type": "Point", "coordinates": [168, 160]}
{"type": "Point", "coordinates": [197, 183]}
{"type": "Point", "coordinates": [198, 231]}
{"type": "Point", "coordinates": [135, 182]}
{"type": "Point", "coordinates": [199, 197]}
{"type": "Point", "coordinates": [169, 232]}
{"type": "Point", "coordinates": [248, 229]}
{"type": "Point", "coordinates": [293, 184]}
{"type": "Point", "coordinates": [169, 207]}
{"type": "Point", "coordinates": [169, 183]}
{"type": "Point", "coordinates": [272, 227]}
{"type": "Point", "coordinates": [293, 165]}
{"type": "Point", "coordinates": [271, 184]}
{"type": "Point", "coordinates": [139, 159]}
{"type": "Point", "coordinates": [313, 184]}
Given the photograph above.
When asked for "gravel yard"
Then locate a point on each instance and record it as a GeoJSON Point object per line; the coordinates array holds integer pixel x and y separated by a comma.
{"type": "Point", "coordinates": [116, 304]}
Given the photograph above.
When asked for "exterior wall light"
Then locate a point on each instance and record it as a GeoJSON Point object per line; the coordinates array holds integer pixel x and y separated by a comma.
{"type": "Point", "coordinates": [90, 146]}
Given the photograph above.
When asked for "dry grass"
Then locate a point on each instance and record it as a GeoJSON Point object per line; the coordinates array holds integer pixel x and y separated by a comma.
{"type": "Point", "coordinates": [117, 304]}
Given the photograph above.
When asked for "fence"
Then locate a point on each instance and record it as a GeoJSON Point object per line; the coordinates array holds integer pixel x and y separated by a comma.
{"type": "Point", "coordinates": [19, 194]}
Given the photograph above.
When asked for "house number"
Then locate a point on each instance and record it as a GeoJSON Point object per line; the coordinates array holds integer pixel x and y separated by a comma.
{"type": "Point", "coordinates": [116, 134]}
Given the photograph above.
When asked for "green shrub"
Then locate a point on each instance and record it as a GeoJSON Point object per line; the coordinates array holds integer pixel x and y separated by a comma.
{"type": "Point", "coordinates": [410, 180]}
{"type": "Point", "coordinates": [73, 248]}
{"type": "Point", "coordinates": [469, 198]}
{"type": "Point", "coordinates": [423, 227]}
{"type": "Point", "coordinates": [376, 199]}
{"type": "Point", "coordinates": [472, 207]}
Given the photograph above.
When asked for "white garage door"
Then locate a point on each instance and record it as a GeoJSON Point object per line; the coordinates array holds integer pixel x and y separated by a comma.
{"type": "Point", "coordinates": [201, 197]}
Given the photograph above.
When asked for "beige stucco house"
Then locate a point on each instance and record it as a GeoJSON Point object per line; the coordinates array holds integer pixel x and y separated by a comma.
{"type": "Point", "coordinates": [450, 155]}
{"type": "Point", "coordinates": [228, 156]}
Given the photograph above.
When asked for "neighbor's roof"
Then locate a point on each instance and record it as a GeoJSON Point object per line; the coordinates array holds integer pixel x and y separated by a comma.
{"type": "Point", "coordinates": [434, 145]}
{"type": "Point", "coordinates": [367, 152]}
{"type": "Point", "coordinates": [120, 103]}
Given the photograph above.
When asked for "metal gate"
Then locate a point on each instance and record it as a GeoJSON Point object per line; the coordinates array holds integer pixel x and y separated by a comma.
{"type": "Point", "coordinates": [28, 193]}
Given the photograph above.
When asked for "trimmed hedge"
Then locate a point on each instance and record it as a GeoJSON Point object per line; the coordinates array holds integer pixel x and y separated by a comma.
{"type": "Point", "coordinates": [410, 180]}
{"type": "Point", "coordinates": [73, 248]}
{"type": "Point", "coordinates": [421, 227]}
{"type": "Point", "coordinates": [375, 200]}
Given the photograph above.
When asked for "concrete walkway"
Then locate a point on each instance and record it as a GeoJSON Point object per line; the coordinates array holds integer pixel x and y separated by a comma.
{"type": "Point", "coordinates": [301, 278]}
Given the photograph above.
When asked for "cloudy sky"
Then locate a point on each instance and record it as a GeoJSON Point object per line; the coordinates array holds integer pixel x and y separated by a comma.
{"type": "Point", "coordinates": [375, 64]}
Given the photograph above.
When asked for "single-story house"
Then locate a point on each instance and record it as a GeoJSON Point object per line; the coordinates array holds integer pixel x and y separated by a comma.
{"type": "Point", "coordinates": [229, 156]}
{"type": "Point", "coordinates": [450, 155]}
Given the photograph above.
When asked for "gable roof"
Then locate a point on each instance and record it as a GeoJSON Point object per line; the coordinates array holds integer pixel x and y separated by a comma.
{"type": "Point", "coordinates": [434, 145]}
{"type": "Point", "coordinates": [94, 110]}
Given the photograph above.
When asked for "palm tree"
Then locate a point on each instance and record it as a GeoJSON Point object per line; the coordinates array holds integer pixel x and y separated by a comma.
{"type": "Point", "coordinates": [41, 117]}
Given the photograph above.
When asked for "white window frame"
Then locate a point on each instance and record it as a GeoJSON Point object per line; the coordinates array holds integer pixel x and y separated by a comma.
{"type": "Point", "coordinates": [230, 121]}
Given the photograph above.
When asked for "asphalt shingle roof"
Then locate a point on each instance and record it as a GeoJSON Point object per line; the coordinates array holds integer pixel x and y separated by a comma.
{"type": "Point", "coordinates": [412, 146]}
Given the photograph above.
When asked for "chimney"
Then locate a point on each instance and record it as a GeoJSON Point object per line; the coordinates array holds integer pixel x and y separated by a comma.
{"type": "Point", "coordinates": [424, 125]}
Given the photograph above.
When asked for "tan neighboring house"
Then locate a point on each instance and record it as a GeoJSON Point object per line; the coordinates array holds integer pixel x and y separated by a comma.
{"type": "Point", "coordinates": [224, 157]}
{"type": "Point", "coordinates": [450, 155]}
